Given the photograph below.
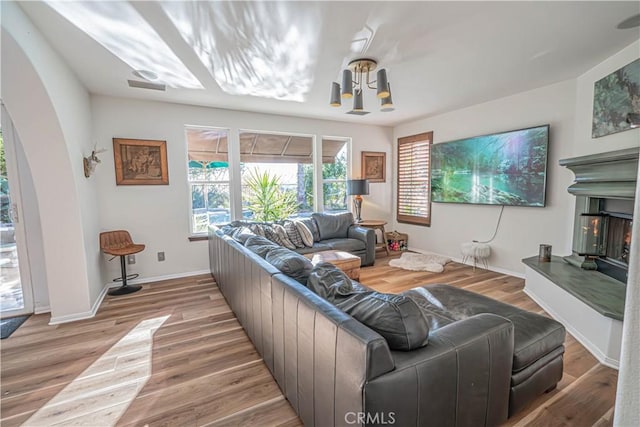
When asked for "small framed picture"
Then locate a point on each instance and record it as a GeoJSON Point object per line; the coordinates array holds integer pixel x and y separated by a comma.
{"type": "Point", "coordinates": [140, 162]}
{"type": "Point", "coordinates": [374, 165]}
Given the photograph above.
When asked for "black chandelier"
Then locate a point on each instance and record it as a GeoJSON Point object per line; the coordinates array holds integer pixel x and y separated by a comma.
{"type": "Point", "coordinates": [354, 79]}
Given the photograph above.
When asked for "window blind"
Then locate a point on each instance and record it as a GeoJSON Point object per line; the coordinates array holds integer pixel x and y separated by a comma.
{"type": "Point", "coordinates": [414, 179]}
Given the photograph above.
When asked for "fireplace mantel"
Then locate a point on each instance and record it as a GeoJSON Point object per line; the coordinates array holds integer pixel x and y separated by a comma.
{"type": "Point", "coordinates": [605, 175]}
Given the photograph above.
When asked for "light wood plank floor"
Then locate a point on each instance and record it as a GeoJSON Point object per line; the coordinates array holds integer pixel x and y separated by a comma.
{"type": "Point", "coordinates": [204, 370]}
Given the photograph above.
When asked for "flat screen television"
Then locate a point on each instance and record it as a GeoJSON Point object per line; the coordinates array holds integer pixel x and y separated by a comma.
{"type": "Point", "coordinates": [507, 168]}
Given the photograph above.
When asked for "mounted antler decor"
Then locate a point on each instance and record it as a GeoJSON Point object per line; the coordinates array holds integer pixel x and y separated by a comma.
{"type": "Point", "coordinates": [91, 162]}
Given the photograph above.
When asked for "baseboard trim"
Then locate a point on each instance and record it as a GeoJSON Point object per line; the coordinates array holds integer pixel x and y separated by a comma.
{"type": "Point", "coordinates": [42, 310]}
{"type": "Point", "coordinates": [89, 314]}
{"type": "Point", "coordinates": [595, 351]}
{"type": "Point", "coordinates": [459, 260]}
{"type": "Point", "coordinates": [141, 280]}
{"type": "Point", "coordinates": [84, 315]}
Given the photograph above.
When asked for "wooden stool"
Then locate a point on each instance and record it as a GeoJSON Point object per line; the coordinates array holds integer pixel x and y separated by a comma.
{"type": "Point", "coordinates": [345, 261]}
{"type": "Point", "coordinates": [379, 225]}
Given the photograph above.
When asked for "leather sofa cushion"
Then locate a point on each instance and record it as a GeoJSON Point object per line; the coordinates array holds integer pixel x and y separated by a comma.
{"type": "Point", "coordinates": [332, 226]}
{"type": "Point", "coordinates": [396, 317]}
{"type": "Point", "coordinates": [534, 335]}
{"type": "Point", "coordinates": [345, 244]}
{"type": "Point", "coordinates": [290, 263]}
{"type": "Point", "coordinates": [317, 247]}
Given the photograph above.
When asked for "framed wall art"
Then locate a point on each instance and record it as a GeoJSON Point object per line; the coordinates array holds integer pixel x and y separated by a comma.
{"type": "Point", "coordinates": [140, 162]}
{"type": "Point", "coordinates": [374, 165]}
{"type": "Point", "coordinates": [616, 101]}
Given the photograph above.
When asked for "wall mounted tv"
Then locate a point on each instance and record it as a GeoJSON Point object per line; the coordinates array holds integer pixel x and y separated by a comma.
{"type": "Point", "coordinates": [507, 168]}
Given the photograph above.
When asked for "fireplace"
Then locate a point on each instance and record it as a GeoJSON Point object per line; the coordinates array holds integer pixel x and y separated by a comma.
{"type": "Point", "coordinates": [605, 239]}
{"type": "Point", "coordinates": [604, 188]}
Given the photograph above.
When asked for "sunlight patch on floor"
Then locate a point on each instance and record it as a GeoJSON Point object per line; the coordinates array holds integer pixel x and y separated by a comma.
{"type": "Point", "coordinates": [102, 393]}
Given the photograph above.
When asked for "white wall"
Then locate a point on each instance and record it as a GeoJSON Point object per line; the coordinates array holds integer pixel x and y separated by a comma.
{"type": "Point", "coordinates": [583, 143]}
{"type": "Point", "coordinates": [33, 232]}
{"type": "Point", "coordinates": [522, 229]}
{"type": "Point", "coordinates": [51, 112]}
{"type": "Point", "coordinates": [158, 216]}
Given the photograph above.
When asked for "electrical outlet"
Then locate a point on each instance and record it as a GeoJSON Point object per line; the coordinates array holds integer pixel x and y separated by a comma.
{"type": "Point", "coordinates": [131, 259]}
{"type": "Point", "coordinates": [160, 256]}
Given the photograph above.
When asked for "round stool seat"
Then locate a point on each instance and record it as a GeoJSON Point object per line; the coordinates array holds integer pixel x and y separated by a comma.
{"type": "Point", "coordinates": [477, 252]}
{"type": "Point", "coordinates": [128, 249]}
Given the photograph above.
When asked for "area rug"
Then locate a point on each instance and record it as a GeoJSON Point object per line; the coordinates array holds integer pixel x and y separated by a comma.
{"type": "Point", "coordinates": [421, 262]}
{"type": "Point", "coordinates": [9, 326]}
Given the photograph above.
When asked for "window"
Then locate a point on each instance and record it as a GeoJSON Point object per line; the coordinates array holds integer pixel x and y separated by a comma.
{"type": "Point", "coordinates": [276, 171]}
{"type": "Point", "coordinates": [277, 175]}
{"type": "Point", "coordinates": [414, 170]}
{"type": "Point", "coordinates": [335, 164]}
{"type": "Point", "coordinates": [208, 176]}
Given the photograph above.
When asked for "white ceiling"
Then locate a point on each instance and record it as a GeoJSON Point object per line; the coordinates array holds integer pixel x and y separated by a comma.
{"type": "Point", "coordinates": [439, 56]}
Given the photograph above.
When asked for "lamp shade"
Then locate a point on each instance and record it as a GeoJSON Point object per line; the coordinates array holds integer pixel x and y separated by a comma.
{"type": "Point", "coordinates": [357, 187]}
{"type": "Point", "coordinates": [335, 95]}
{"type": "Point", "coordinates": [383, 84]}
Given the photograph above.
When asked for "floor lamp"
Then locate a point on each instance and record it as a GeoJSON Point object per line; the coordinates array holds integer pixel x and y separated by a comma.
{"type": "Point", "coordinates": [357, 188]}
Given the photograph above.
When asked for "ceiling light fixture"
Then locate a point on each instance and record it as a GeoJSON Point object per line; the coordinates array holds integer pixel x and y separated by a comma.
{"type": "Point", "coordinates": [355, 79]}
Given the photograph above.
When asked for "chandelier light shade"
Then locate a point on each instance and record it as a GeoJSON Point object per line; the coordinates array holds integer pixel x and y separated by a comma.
{"type": "Point", "coordinates": [355, 79]}
{"type": "Point", "coordinates": [335, 95]}
{"type": "Point", "coordinates": [383, 84]}
{"type": "Point", "coordinates": [347, 84]}
{"type": "Point", "coordinates": [357, 101]}
{"type": "Point", "coordinates": [386, 104]}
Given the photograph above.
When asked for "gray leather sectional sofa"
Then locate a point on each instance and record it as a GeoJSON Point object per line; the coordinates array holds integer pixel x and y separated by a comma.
{"type": "Point", "coordinates": [338, 232]}
{"type": "Point", "coordinates": [334, 370]}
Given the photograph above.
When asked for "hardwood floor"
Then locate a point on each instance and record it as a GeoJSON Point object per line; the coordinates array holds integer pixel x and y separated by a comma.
{"type": "Point", "coordinates": [205, 371]}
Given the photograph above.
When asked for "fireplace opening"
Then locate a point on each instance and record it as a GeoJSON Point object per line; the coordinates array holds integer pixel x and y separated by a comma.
{"type": "Point", "coordinates": [615, 260]}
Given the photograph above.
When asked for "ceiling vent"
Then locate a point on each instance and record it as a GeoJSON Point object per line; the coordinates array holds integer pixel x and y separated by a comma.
{"type": "Point", "coordinates": [147, 85]}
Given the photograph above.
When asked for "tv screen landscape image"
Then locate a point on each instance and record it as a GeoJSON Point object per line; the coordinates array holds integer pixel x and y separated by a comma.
{"type": "Point", "coordinates": [507, 168]}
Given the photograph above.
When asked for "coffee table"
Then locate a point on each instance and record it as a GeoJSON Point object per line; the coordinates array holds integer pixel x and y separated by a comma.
{"type": "Point", "coordinates": [345, 261]}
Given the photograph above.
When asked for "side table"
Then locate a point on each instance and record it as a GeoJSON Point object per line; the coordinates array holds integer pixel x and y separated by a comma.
{"type": "Point", "coordinates": [376, 224]}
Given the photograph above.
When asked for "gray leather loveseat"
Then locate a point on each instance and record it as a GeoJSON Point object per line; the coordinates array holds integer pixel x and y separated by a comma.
{"type": "Point", "coordinates": [334, 370]}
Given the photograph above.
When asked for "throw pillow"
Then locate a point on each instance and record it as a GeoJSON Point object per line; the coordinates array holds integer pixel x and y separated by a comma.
{"type": "Point", "coordinates": [333, 226]}
{"type": "Point", "coordinates": [396, 317]}
{"type": "Point", "coordinates": [258, 229]}
{"type": "Point", "coordinates": [273, 233]}
{"type": "Point", "coordinates": [284, 236]}
{"type": "Point", "coordinates": [294, 234]}
{"type": "Point", "coordinates": [290, 263]}
{"type": "Point", "coordinates": [242, 234]}
{"type": "Point", "coordinates": [305, 234]}
{"type": "Point", "coordinates": [260, 245]}
{"type": "Point", "coordinates": [312, 226]}
{"type": "Point", "coordinates": [329, 282]}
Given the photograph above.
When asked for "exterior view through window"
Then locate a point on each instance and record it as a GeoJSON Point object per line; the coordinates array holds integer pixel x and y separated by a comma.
{"type": "Point", "coordinates": [277, 175]}
{"type": "Point", "coordinates": [334, 174]}
{"type": "Point", "coordinates": [208, 175]}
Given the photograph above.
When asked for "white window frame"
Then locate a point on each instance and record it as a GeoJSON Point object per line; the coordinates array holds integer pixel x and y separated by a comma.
{"type": "Point", "coordinates": [190, 183]}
